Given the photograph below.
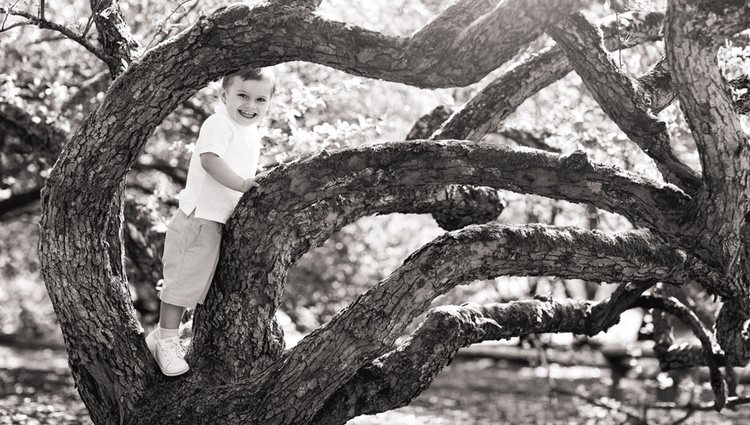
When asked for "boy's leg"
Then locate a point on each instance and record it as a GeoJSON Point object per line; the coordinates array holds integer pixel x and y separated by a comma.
{"type": "Point", "coordinates": [169, 318]}
{"type": "Point", "coordinates": [164, 342]}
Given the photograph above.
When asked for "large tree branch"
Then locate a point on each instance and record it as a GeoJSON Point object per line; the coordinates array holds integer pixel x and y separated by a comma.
{"type": "Point", "coordinates": [712, 117]}
{"type": "Point", "coordinates": [394, 379]}
{"type": "Point", "coordinates": [485, 112]}
{"type": "Point", "coordinates": [621, 97]}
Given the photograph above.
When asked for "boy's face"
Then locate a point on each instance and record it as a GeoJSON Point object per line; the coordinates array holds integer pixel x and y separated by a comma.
{"type": "Point", "coordinates": [247, 100]}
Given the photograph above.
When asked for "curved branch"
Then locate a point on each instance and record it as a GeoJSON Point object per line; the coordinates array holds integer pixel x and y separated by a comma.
{"type": "Point", "coordinates": [369, 326]}
{"type": "Point", "coordinates": [502, 30]}
{"type": "Point", "coordinates": [691, 52]}
{"type": "Point", "coordinates": [394, 379]}
{"type": "Point", "coordinates": [621, 97]}
{"type": "Point", "coordinates": [435, 56]}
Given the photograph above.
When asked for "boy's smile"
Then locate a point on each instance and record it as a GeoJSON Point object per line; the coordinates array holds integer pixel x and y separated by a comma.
{"type": "Point", "coordinates": [247, 100]}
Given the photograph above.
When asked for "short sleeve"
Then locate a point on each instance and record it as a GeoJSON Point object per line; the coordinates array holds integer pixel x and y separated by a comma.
{"type": "Point", "coordinates": [215, 135]}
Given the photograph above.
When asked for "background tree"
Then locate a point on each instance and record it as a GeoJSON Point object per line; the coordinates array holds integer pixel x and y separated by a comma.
{"type": "Point", "coordinates": [690, 230]}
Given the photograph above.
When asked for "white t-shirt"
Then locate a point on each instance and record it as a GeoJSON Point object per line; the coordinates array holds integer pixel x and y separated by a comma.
{"type": "Point", "coordinates": [239, 147]}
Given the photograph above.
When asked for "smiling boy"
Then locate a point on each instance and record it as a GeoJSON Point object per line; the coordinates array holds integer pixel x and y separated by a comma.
{"type": "Point", "coordinates": [222, 168]}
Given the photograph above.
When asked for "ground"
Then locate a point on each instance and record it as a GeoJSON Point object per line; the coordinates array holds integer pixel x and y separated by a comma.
{"type": "Point", "coordinates": [36, 388]}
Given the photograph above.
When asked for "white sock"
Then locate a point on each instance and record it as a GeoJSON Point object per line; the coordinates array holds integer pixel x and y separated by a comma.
{"type": "Point", "coordinates": [167, 333]}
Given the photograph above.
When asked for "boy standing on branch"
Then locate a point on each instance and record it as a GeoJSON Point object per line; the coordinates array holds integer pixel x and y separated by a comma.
{"type": "Point", "coordinates": [222, 168]}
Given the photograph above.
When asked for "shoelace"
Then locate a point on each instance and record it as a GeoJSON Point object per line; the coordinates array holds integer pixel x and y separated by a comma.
{"type": "Point", "coordinates": [173, 346]}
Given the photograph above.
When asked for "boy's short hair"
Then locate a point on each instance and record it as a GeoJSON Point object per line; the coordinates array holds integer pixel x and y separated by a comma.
{"type": "Point", "coordinates": [256, 74]}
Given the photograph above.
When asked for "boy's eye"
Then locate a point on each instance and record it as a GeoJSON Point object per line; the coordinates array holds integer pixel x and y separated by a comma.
{"type": "Point", "coordinates": [244, 96]}
{"type": "Point", "coordinates": [261, 99]}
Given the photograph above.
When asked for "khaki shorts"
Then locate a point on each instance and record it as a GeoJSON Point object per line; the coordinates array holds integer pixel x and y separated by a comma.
{"type": "Point", "coordinates": [191, 251]}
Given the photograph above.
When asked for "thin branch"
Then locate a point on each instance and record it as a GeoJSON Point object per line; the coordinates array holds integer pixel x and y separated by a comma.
{"type": "Point", "coordinates": [165, 20]}
{"type": "Point", "coordinates": [7, 14]}
{"type": "Point", "coordinates": [87, 27]}
{"type": "Point", "coordinates": [67, 32]}
{"type": "Point", "coordinates": [711, 350]}
{"type": "Point", "coordinates": [17, 24]}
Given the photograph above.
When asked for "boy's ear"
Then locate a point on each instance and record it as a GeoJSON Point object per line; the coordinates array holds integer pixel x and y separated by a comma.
{"type": "Point", "coordinates": [223, 95]}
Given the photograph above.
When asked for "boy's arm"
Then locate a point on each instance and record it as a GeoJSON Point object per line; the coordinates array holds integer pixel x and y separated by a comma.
{"type": "Point", "coordinates": [220, 171]}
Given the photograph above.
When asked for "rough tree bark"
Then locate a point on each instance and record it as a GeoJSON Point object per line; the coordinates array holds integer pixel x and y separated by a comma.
{"type": "Point", "coordinates": [240, 373]}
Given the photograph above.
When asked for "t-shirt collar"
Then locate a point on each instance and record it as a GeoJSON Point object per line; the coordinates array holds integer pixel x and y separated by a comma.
{"type": "Point", "coordinates": [221, 109]}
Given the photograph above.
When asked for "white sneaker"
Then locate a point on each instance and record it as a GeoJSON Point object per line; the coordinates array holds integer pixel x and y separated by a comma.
{"type": "Point", "coordinates": [168, 353]}
{"type": "Point", "coordinates": [151, 339]}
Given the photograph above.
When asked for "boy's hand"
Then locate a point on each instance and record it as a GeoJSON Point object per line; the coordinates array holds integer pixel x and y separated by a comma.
{"type": "Point", "coordinates": [249, 184]}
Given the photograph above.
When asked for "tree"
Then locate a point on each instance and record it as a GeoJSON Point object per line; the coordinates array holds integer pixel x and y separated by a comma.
{"type": "Point", "coordinates": [689, 230]}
